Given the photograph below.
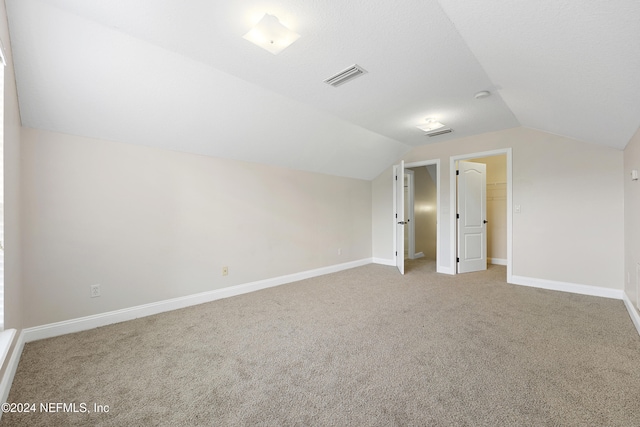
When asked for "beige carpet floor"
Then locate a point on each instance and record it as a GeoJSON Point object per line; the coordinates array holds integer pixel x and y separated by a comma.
{"type": "Point", "coordinates": [363, 347]}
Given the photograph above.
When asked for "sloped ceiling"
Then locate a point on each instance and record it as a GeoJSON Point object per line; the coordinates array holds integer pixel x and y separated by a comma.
{"type": "Point", "coordinates": [178, 75]}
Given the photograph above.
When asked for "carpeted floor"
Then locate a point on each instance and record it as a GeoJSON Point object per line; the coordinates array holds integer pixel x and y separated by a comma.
{"type": "Point", "coordinates": [363, 347]}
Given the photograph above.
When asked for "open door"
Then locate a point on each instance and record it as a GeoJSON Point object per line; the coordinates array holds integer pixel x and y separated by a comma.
{"type": "Point", "coordinates": [400, 220]}
{"type": "Point", "coordinates": [472, 217]}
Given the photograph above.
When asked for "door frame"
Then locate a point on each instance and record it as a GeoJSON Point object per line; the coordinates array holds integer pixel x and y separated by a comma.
{"type": "Point", "coordinates": [453, 190]}
{"type": "Point", "coordinates": [439, 268]}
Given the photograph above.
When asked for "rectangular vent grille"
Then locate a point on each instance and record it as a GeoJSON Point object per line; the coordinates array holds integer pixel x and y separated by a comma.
{"type": "Point", "coordinates": [439, 132]}
{"type": "Point", "coordinates": [345, 75]}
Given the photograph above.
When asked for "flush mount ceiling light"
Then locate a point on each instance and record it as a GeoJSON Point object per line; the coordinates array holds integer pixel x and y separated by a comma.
{"type": "Point", "coordinates": [271, 35]}
{"type": "Point", "coordinates": [430, 125]}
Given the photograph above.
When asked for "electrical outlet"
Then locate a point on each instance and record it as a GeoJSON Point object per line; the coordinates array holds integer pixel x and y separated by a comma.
{"type": "Point", "coordinates": [225, 271]}
{"type": "Point", "coordinates": [95, 291]}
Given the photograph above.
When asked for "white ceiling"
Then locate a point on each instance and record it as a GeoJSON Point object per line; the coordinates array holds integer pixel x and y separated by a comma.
{"type": "Point", "coordinates": [177, 74]}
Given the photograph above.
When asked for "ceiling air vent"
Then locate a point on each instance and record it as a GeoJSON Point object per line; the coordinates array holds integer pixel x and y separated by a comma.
{"type": "Point", "coordinates": [345, 75]}
{"type": "Point", "coordinates": [439, 132]}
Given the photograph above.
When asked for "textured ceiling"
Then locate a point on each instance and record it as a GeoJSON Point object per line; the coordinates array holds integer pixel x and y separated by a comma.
{"type": "Point", "coordinates": [178, 75]}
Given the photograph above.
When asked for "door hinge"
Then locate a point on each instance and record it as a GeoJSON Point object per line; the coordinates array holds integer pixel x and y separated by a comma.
{"type": "Point", "coordinates": [396, 177]}
{"type": "Point", "coordinates": [457, 173]}
{"type": "Point", "coordinates": [457, 259]}
{"type": "Point", "coordinates": [396, 253]}
{"type": "Point", "coordinates": [457, 216]}
{"type": "Point", "coordinates": [396, 216]}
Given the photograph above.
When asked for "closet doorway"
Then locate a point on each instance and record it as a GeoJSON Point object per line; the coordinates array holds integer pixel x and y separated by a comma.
{"type": "Point", "coordinates": [498, 206]}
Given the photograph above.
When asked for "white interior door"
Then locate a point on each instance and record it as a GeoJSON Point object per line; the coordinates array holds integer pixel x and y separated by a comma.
{"type": "Point", "coordinates": [399, 215]}
{"type": "Point", "coordinates": [472, 217]}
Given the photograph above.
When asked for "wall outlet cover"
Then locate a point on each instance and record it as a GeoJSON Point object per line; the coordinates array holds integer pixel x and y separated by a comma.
{"type": "Point", "coordinates": [95, 291]}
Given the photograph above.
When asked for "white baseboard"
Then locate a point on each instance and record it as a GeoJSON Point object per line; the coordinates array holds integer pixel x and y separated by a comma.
{"type": "Point", "coordinates": [567, 287]}
{"type": "Point", "coordinates": [117, 316]}
{"type": "Point", "coordinates": [6, 339]}
{"type": "Point", "coordinates": [635, 316]}
{"type": "Point", "coordinates": [418, 255]}
{"type": "Point", "coordinates": [384, 261]}
{"type": "Point", "coordinates": [498, 261]}
{"type": "Point", "coordinates": [10, 371]}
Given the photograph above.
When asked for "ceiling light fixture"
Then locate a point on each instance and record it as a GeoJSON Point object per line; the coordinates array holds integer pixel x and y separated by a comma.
{"type": "Point", "coordinates": [271, 35]}
{"type": "Point", "coordinates": [432, 124]}
{"type": "Point", "coordinates": [482, 94]}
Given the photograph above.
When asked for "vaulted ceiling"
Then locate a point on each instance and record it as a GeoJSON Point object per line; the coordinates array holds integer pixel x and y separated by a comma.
{"type": "Point", "coordinates": [178, 75]}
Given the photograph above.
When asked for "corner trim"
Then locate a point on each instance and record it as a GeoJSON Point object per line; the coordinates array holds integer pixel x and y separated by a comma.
{"type": "Point", "coordinates": [575, 288]}
{"type": "Point", "coordinates": [103, 319]}
{"type": "Point", "coordinates": [635, 316]}
{"type": "Point", "coordinates": [12, 367]}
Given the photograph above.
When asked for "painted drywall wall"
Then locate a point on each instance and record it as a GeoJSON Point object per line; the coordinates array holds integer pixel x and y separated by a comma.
{"type": "Point", "coordinates": [12, 197]}
{"type": "Point", "coordinates": [383, 222]}
{"type": "Point", "coordinates": [11, 149]}
{"type": "Point", "coordinates": [496, 205]}
{"type": "Point", "coordinates": [571, 194]}
{"type": "Point", "coordinates": [150, 224]}
{"type": "Point", "coordinates": [632, 221]}
{"type": "Point", "coordinates": [424, 212]}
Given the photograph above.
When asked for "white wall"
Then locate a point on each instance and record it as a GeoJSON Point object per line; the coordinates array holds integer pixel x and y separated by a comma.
{"type": "Point", "coordinates": [149, 224]}
{"type": "Point", "coordinates": [632, 220]}
{"type": "Point", "coordinates": [12, 278]}
{"type": "Point", "coordinates": [383, 222]}
{"type": "Point", "coordinates": [571, 194]}
{"type": "Point", "coordinates": [12, 222]}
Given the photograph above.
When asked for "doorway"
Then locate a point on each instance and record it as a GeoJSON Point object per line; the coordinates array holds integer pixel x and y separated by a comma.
{"type": "Point", "coordinates": [422, 207]}
{"type": "Point", "coordinates": [498, 203]}
{"type": "Point", "coordinates": [420, 234]}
